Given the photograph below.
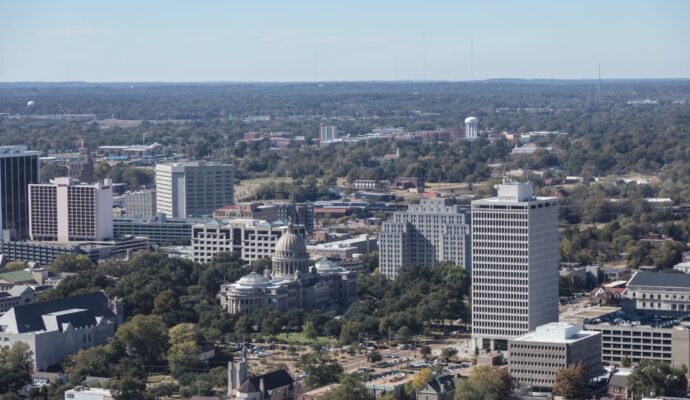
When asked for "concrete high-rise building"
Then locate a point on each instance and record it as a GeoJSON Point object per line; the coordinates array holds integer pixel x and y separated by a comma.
{"type": "Point", "coordinates": [82, 169]}
{"type": "Point", "coordinates": [471, 128]}
{"type": "Point", "coordinates": [514, 264]}
{"type": "Point", "coordinates": [193, 189]}
{"type": "Point", "coordinates": [140, 204]}
{"type": "Point", "coordinates": [427, 233]}
{"type": "Point", "coordinates": [252, 239]}
{"type": "Point", "coordinates": [64, 211]}
{"type": "Point", "coordinates": [536, 357]}
{"type": "Point", "coordinates": [327, 133]}
{"type": "Point", "coordinates": [18, 169]}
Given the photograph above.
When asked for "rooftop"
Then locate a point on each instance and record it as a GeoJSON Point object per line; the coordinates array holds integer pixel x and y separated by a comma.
{"type": "Point", "coordinates": [556, 332]}
{"type": "Point", "coordinates": [661, 279]}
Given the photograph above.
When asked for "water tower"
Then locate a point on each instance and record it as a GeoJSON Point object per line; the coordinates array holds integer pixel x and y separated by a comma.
{"type": "Point", "coordinates": [471, 131]}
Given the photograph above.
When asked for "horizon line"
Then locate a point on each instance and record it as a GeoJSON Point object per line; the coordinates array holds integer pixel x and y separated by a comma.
{"type": "Point", "coordinates": [347, 81]}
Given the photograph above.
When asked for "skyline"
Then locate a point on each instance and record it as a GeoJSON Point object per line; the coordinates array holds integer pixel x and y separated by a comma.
{"type": "Point", "coordinates": [277, 42]}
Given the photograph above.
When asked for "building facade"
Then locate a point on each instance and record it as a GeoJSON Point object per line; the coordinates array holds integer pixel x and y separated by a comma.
{"type": "Point", "coordinates": [291, 283]}
{"type": "Point", "coordinates": [427, 233]}
{"type": "Point", "coordinates": [57, 328]}
{"type": "Point", "coordinates": [537, 356]}
{"type": "Point", "coordinates": [44, 253]}
{"type": "Point", "coordinates": [514, 264]}
{"type": "Point", "coordinates": [657, 293]}
{"type": "Point", "coordinates": [160, 229]}
{"type": "Point", "coordinates": [193, 189]}
{"type": "Point", "coordinates": [252, 239]}
{"type": "Point", "coordinates": [140, 204]}
{"type": "Point", "coordinates": [64, 211]}
{"type": "Point", "coordinates": [18, 169]}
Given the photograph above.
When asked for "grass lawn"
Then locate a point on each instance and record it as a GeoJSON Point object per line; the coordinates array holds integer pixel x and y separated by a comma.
{"type": "Point", "coordinates": [156, 378]}
{"type": "Point", "coordinates": [299, 337]}
{"type": "Point", "coordinates": [245, 189]}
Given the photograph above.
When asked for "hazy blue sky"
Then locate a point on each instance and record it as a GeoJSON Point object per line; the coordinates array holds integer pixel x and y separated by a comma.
{"type": "Point", "coordinates": [293, 40]}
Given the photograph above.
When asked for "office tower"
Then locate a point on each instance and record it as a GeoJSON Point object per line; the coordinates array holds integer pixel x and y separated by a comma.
{"type": "Point", "coordinates": [82, 169]}
{"type": "Point", "coordinates": [18, 169]}
{"type": "Point", "coordinates": [429, 232]}
{"type": "Point", "coordinates": [327, 133]}
{"type": "Point", "coordinates": [536, 357]}
{"type": "Point", "coordinates": [140, 204]}
{"type": "Point", "coordinates": [514, 264]}
{"type": "Point", "coordinates": [64, 211]}
{"type": "Point", "coordinates": [193, 189]}
{"type": "Point", "coordinates": [471, 128]}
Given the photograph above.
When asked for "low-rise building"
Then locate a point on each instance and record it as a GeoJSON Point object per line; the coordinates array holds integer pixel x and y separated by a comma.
{"type": "Point", "coordinates": [88, 393]}
{"type": "Point", "coordinates": [439, 388]}
{"type": "Point", "coordinates": [344, 249]}
{"type": "Point", "coordinates": [657, 293]}
{"type": "Point", "coordinates": [17, 295]}
{"type": "Point", "coordinates": [536, 356]}
{"type": "Point", "coordinates": [618, 386]}
{"type": "Point", "coordinates": [160, 229]}
{"type": "Point", "coordinates": [57, 328]}
{"type": "Point", "coordinates": [45, 252]}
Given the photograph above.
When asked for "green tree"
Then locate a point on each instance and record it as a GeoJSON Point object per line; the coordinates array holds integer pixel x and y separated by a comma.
{"type": "Point", "coordinates": [571, 382]}
{"type": "Point", "coordinates": [320, 368]}
{"type": "Point", "coordinates": [484, 384]}
{"type": "Point", "coordinates": [144, 336]}
{"type": "Point", "coordinates": [185, 332]}
{"type": "Point", "coordinates": [419, 380]}
{"type": "Point", "coordinates": [70, 263]}
{"type": "Point", "coordinates": [349, 332]}
{"type": "Point", "coordinates": [375, 357]}
{"type": "Point", "coordinates": [14, 266]}
{"type": "Point", "coordinates": [655, 378]}
{"type": "Point", "coordinates": [93, 361]}
{"type": "Point", "coordinates": [16, 366]}
{"type": "Point", "coordinates": [183, 356]}
{"type": "Point", "coordinates": [425, 351]}
{"type": "Point", "coordinates": [449, 353]}
{"type": "Point", "coordinates": [626, 362]}
{"type": "Point", "coordinates": [309, 330]}
{"type": "Point", "coordinates": [351, 388]}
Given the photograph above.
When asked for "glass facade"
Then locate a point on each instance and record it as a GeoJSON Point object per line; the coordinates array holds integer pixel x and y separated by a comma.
{"type": "Point", "coordinates": [16, 173]}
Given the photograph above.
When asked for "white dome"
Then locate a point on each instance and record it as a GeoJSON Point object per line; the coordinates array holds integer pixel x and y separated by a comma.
{"type": "Point", "coordinates": [291, 243]}
{"type": "Point", "coordinates": [253, 279]}
{"type": "Point", "coordinates": [326, 266]}
{"type": "Point", "coordinates": [471, 120]}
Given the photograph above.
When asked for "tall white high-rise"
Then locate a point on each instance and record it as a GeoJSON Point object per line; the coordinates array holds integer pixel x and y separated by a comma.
{"type": "Point", "coordinates": [514, 264]}
{"type": "Point", "coordinates": [471, 128]}
{"type": "Point", "coordinates": [427, 233]}
{"type": "Point", "coordinates": [193, 189]}
{"type": "Point", "coordinates": [65, 211]}
{"type": "Point", "coordinates": [327, 133]}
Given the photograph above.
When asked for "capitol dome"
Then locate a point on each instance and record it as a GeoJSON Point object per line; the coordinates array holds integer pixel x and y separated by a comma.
{"type": "Point", "coordinates": [253, 279]}
{"type": "Point", "coordinates": [290, 256]}
{"type": "Point", "coordinates": [291, 243]}
{"type": "Point", "coordinates": [471, 120]}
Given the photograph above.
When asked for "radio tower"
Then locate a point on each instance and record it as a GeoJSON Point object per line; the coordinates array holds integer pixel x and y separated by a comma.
{"type": "Point", "coordinates": [598, 95]}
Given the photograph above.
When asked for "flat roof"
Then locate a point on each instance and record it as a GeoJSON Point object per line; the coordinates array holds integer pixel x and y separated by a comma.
{"type": "Point", "coordinates": [537, 338]}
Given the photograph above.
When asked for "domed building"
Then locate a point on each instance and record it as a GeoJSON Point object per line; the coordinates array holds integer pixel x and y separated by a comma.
{"type": "Point", "coordinates": [291, 282]}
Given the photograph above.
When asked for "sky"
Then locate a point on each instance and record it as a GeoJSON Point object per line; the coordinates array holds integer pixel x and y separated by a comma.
{"type": "Point", "coordinates": [353, 40]}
